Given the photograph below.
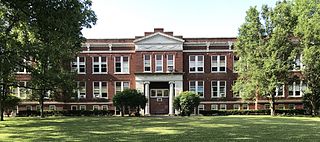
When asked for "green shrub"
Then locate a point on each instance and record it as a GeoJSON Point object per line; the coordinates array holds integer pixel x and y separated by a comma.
{"type": "Point", "coordinates": [186, 102]}
{"type": "Point", "coordinates": [251, 112]}
{"type": "Point", "coordinates": [67, 113]}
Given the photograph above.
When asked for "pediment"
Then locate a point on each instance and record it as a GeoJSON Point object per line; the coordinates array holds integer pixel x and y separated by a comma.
{"type": "Point", "coordinates": [159, 38]}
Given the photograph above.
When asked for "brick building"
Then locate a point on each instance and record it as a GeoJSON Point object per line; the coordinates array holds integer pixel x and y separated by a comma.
{"type": "Point", "coordinates": [161, 65]}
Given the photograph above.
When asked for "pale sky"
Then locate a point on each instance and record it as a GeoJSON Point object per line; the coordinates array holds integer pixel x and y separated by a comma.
{"type": "Point", "coordinates": [189, 18]}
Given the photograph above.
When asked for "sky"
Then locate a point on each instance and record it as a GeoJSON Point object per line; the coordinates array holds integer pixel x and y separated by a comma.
{"type": "Point", "coordinates": [189, 18]}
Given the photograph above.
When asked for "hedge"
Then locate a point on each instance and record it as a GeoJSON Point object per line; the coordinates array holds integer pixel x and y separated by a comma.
{"type": "Point", "coordinates": [67, 113]}
{"type": "Point", "coordinates": [252, 112]}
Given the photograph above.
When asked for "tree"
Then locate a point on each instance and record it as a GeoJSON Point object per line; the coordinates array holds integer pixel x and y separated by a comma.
{"type": "Point", "coordinates": [186, 102]}
{"type": "Point", "coordinates": [10, 103]}
{"type": "Point", "coordinates": [57, 38]}
{"type": "Point", "coordinates": [266, 51]}
{"type": "Point", "coordinates": [308, 31]}
{"type": "Point", "coordinates": [129, 99]}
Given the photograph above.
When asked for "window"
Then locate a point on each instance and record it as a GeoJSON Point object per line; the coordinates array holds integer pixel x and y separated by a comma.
{"type": "Point", "coordinates": [291, 106]}
{"type": "Point", "coordinates": [296, 89]}
{"type": "Point", "coordinates": [99, 65]}
{"type": "Point", "coordinates": [21, 91]}
{"type": "Point", "coordinates": [82, 107]}
{"type": "Point", "coordinates": [21, 69]}
{"type": "Point", "coordinates": [245, 107]}
{"type": "Point", "coordinates": [236, 107]}
{"type": "Point", "coordinates": [218, 89]}
{"type": "Point", "coordinates": [95, 107]}
{"type": "Point", "coordinates": [147, 63]}
{"type": "Point", "coordinates": [267, 106]}
{"type": "Point", "coordinates": [100, 89]}
{"type": "Point", "coordinates": [159, 92]}
{"type": "Point", "coordinates": [223, 107]}
{"type": "Point", "coordinates": [281, 106]}
{"type": "Point", "coordinates": [121, 64]}
{"type": "Point", "coordinates": [279, 91]}
{"type": "Point", "coordinates": [74, 107]}
{"type": "Point", "coordinates": [28, 107]}
{"type": "Point", "coordinates": [159, 63]}
{"type": "Point", "coordinates": [79, 65]}
{"type": "Point", "coordinates": [197, 87]}
{"type": "Point", "coordinates": [235, 60]}
{"type": "Point", "coordinates": [200, 107]}
{"type": "Point", "coordinates": [52, 107]}
{"type": "Point", "coordinates": [170, 63]}
{"type": "Point", "coordinates": [81, 89]}
{"type": "Point", "coordinates": [218, 63]}
{"type": "Point", "coordinates": [196, 63]}
{"type": "Point", "coordinates": [121, 85]}
{"type": "Point", "coordinates": [214, 107]}
{"type": "Point", "coordinates": [104, 107]}
{"type": "Point", "coordinates": [297, 62]}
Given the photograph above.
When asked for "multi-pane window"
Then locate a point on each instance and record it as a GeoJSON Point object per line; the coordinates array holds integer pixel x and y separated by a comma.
{"type": "Point", "coordinates": [214, 107]}
{"type": "Point", "coordinates": [218, 63]}
{"type": "Point", "coordinates": [22, 90]}
{"type": "Point", "coordinates": [22, 69]}
{"type": "Point", "coordinates": [296, 89]}
{"type": "Point", "coordinates": [147, 63]}
{"type": "Point", "coordinates": [223, 107]}
{"type": "Point", "coordinates": [95, 107]}
{"type": "Point", "coordinates": [159, 92]}
{"type": "Point", "coordinates": [82, 107]}
{"type": "Point", "coordinates": [235, 60]}
{"type": "Point", "coordinates": [281, 106]}
{"type": "Point", "coordinates": [74, 107]}
{"type": "Point", "coordinates": [100, 89]}
{"type": "Point", "coordinates": [297, 62]}
{"type": "Point", "coordinates": [159, 63]}
{"type": "Point", "coordinates": [170, 63]}
{"type": "Point", "coordinates": [196, 63]}
{"type": "Point", "coordinates": [197, 87]}
{"type": "Point", "coordinates": [218, 89]}
{"type": "Point", "coordinates": [81, 89]}
{"type": "Point", "coordinates": [200, 107]}
{"type": "Point", "coordinates": [79, 65]}
{"type": "Point", "coordinates": [52, 107]}
{"type": "Point", "coordinates": [99, 65]}
{"type": "Point", "coordinates": [121, 64]}
{"type": "Point", "coordinates": [104, 107]}
{"type": "Point", "coordinates": [121, 85]}
{"type": "Point", "coordinates": [245, 106]}
{"type": "Point", "coordinates": [236, 106]}
{"type": "Point", "coordinates": [279, 92]}
{"type": "Point", "coordinates": [291, 106]}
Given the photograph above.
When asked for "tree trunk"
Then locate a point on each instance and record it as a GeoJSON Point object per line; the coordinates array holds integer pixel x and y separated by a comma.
{"type": "Point", "coordinates": [122, 111]}
{"type": "Point", "coordinates": [313, 111]}
{"type": "Point", "coordinates": [3, 94]}
{"type": "Point", "coordinates": [272, 106]}
{"type": "Point", "coordinates": [257, 99]}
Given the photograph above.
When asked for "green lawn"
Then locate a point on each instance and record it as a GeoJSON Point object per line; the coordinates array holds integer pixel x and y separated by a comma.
{"type": "Point", "coordinates": [197, 128]}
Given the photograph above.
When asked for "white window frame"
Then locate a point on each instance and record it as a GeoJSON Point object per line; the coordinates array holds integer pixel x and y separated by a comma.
{"type": "Point", "coordinates": [218, 89]}
{"type": "Point", "coordinates": [97, 106]}
{"type": "Point", "coordinates": [279, 94]}
{"type": "Point", "coordinates": [281, 107]}
{"type": "Point", "coordinates": [71, 108]}
{"type": "Point", "coordinates": [162, 92]}
{"type": "Point", "coordinates": [214, 107]}
{"type": "Point", "coordinates": [144, 62]}
{"type": "Point", "coordinates": [100, 63]}
{"type": "Point", "coordinates": [82, 106]}
{"type": "Point", "coordinates": [225, 106]}
{"type": "Point", "coordinates": [173, 62]}
{"type": "Point", "coordinates": [300, 64]}
{"type": "Point", "coordinates": [218, 64]}
{"type": "Point", "coordinates": [122, 86]}
{"type": "Point", "coordinates": [104, 106]}
{"type": "Point", "coordinates": [236, 107]}
{"type": "Point", "coordinates": [24, 68]}
{"type": "Point", "coordinates": [78, 63]}
{"type": "Point", "coordinates": [201, 107]}
{"type": "Point", "coordinates": [122, 65]}
{"type": "Point", "coordinates": [196, 64]}
{"type": "Point", "coordinates": [301, 88]}
{"type": "Point", "coordinates": [85, 89]}
{"type": "Point", "coordinates": [52, 106]}
{"type": "Point", "coordinates": [100, 89]}
{"type": "Point", "coordinates": [158, 64]}
{"type": "Point", "coordinates": [197, 87]}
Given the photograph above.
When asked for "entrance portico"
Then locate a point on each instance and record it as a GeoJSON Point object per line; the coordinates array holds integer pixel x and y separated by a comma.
{"type": "Point", "coordinates": [160, 91]}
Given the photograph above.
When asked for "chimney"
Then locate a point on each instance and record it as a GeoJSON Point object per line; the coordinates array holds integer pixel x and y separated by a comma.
{"type": "Point", "coordinates": [158, 30]}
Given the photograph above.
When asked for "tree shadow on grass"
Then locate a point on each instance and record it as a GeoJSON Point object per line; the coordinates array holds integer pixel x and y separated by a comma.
{"type": "Point", "coordinates": [224, 128]}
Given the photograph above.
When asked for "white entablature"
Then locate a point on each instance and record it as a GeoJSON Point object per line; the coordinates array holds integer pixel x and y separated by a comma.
{"type": "Point", "coordinates": [158, 42]}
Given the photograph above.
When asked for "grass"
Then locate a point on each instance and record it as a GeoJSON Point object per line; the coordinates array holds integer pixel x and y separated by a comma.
{"type": "Point", "coordinates": [149, 129]}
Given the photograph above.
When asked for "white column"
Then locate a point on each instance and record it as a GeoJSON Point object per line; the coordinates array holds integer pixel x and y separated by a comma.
{"type": "Point", "coordinates": [146, 93]}
{"type": "Point", "coordinates": [171, 97]}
